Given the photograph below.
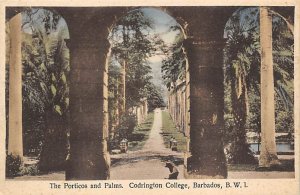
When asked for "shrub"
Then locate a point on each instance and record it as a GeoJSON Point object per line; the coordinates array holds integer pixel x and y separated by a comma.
{"type": "Point", "coordinates": [30, 170]}
{"type": "Point", "coordinates": [13, 165]}
{"type": "Point", "coordinates": [123, 130]}
{"type": "Point", "coordinates": [127, 124]}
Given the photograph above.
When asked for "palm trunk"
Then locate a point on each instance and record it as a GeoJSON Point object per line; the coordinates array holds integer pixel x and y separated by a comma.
{"type": "Point", "coordinates": [117, 112]}
{"type": "Point", "coordinates": [55, 143]}
{"type": "Point", "coordinates": [122, 88]}
{"type": "Point", "coordinates": [239, 148]}
{"type": "Point", "coordinates": [268, 155]}
{"type": "Point", "coordinates": [15, 139]}
{"type": "Point", "coordinates": [55, 146]}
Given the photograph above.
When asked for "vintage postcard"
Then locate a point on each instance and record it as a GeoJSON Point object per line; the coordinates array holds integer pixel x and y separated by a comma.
{"type": "Point", "coordinates": [131, 97]}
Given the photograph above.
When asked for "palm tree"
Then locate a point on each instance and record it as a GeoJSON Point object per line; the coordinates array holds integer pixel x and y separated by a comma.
{"type": "Point", "coordinates": [242, 81]}
{"type": "Point", "coordinates": [241, 72]}
{"type": "Point", "coordinates": [45, 86]}
{"type": "Point", "coordinates": [15, 139]}
{"type": "Point", "coordinates": [57, 109]}
{"type": "Point", "coordinates": [268, 155]}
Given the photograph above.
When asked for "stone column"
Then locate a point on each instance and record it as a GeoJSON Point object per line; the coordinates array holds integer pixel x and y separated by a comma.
{"type": "Point", "coordinates": [15, 136]}
{"type": "Point", "coordinates": [89, 158]}
{"type": "Point", "coordinates": [206, 158]}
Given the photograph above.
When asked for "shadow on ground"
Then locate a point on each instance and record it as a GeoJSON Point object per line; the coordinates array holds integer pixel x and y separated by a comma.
{"type": "Point", "coordinates": [123, 161]}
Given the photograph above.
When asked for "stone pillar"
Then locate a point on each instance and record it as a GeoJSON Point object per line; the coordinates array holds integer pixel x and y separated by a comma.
{"type": "Point", "coordinates": [15, 136]}
{"type": "Point", "coordinates": [206, 158]}
{"type": "Point", "coordinates": [89, 158]}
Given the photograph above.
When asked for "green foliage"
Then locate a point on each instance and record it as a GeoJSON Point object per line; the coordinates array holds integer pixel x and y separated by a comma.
{"type": "Point", "coordinates": [242, 78]}
{"type": "Point", "coordinates": [13, 165]}
{"type": "Point", "coordinates": [123, 130]}
{"type": "Point", "coordinates": [127, 124]}
{"type": "Point", "coordinates": [173, 66]}
{"type": "Point", "coordinates": [283, 56]}
{"type": "Point", "coordinates": [154, 97]}
{"type": "Point", "coordinates": [131, 36]}
{"type": "Point", "coordinates": [241, 72]}
{"type": "Point", "coordinates": [57, 109]}
{"type": "Point", "coordinates": [113, 84]}
{"type": "Point", "coordinates": [254, 118]}
{"type": "Point", "coordinates": [140, 134]}
{"type": "Point", "coordinates": [137, 78]}
{"type": "Point", "coordinates": [53, 90]}
{"type": "Point", "coordinates": [45, 60]}
{"type": "Point", "coordinates": [169, 130]}
{"type": "Point", "coordinates": [30, 170]}
{"type": "Point", "coordinates": [132, 45]}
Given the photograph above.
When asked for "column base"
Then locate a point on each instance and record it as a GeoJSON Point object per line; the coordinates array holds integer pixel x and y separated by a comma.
{"type": "Point", "coordinates": [268, 160]}
{"type": "Point", "coordinates": [194, 168]}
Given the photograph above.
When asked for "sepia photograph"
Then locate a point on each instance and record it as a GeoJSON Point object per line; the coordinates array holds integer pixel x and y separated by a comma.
{"type": "Point", "coordinates": [150, 93]}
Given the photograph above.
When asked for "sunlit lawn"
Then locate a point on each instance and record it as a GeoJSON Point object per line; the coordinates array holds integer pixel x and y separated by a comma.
{"type": "Point", "coordinates": [140, 134]}
{"type": "Point", "coordinates": [285, 165]}
{"type": "Point", "coordinates": [169, 130]}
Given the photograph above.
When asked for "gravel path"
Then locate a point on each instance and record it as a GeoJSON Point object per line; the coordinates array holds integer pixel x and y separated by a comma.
{"type": "Point", "coordinates": [149, 162]}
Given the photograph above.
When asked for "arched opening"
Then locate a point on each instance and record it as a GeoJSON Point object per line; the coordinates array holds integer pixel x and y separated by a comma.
{"type": "Point", "coordinates": [258, 84]}
{"type": "Point", "coordinates": [146, 93]}
{"type": "Point", "coordinates": [37, 92]}
{"type": "Point", "coordinates": [200, 117]}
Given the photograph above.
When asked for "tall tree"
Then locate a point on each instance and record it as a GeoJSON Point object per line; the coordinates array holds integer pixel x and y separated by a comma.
{"type": "Point", "coordinates": [113, 99]}
{"type": "Point", "coordinates": [132, 44]}
{"type": "Point", "coordinates": [55, 142]}
{"type": "Point", "coordinates": [241, 73]}
{"type": "Point", "coordinates": [154, 97]}
{"type": "Point", "coordinates": [15, 138]}
{"type": "Point", "coordinates": [268, 155]}
{"type": "Point", "coordinates": [129, 71]}
{"type": "Point", "coordinates": [242, 81]}
{"type": "Point", "coordinates": [173, 65]}
{"type": "Point", "coordinates": [122, 88]}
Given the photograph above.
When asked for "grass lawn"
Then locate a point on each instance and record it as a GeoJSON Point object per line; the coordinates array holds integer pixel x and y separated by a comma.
{"type": "Point", "coordinates": [286, 165]}
{"type": "Point", "coordinates": [169, 130]}
{"type": "Point", "coordinates": [140, 134]}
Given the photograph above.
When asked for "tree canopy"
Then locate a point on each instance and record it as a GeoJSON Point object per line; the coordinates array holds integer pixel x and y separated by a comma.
{"type": "Point", "coordinates": [133, 42]}
{"type": "Point", "coordinates": [173, 65]}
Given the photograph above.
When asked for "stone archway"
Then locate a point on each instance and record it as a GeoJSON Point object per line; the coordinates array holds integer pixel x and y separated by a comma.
{"type": "Point", "coordinates": [88, 108]}
{"type": "Point", "coordinates": [89, 48]}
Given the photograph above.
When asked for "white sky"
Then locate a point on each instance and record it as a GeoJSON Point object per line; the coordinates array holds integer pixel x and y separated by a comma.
{"type": "Point", "coordinates": [162, 23]}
